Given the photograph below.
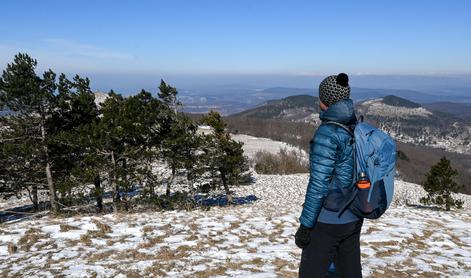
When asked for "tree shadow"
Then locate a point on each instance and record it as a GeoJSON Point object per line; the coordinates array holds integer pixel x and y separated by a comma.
{"type": "Point", "coordinates": [21, 212]}
{"type": "Point", "coordinates": [221, 200]}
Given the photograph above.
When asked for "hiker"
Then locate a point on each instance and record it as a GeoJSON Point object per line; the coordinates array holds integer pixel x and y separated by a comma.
{"type": "Point", "coordinates": [324, 235]}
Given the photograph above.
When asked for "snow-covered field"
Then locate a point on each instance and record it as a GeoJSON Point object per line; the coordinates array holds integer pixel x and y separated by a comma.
{"type": "Point", "coordinates": [252, 145]}
{"type": "Point", "coordinates": [252, 240]}
{"type": "Point", "coordinates": [378, 107]}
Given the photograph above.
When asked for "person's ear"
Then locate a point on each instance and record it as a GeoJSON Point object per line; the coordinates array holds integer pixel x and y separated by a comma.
{"type": "Point", "coordinates": [322, 106]}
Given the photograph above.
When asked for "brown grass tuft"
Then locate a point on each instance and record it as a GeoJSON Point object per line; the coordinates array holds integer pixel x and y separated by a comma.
{"type": "Point", "coordinates": [31, 237]}
{"type": "Point", "coordinates": [152, 241]}
{"type": "Point", "coordinates": [86, 239]}
{"type": "Point", "coordinates": [104, 228]}
{"type": "Point", "coordinates": [12, 248]}
{"type": "Point", "coordinates": [67, 227]}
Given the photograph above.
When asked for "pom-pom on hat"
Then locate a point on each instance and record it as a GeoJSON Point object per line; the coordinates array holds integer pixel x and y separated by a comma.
{"type": "Point", "coordinates": [334, 88]}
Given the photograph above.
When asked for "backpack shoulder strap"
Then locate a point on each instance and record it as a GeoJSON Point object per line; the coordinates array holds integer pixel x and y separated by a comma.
{"type": "Point", "coordinates": [342, 126]}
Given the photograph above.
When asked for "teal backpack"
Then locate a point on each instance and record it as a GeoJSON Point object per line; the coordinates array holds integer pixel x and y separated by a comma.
{"type": "Point", "coordinates": [375, 161]}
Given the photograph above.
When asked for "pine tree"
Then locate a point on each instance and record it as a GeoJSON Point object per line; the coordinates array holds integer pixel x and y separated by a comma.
{"type": "Point", "coordinates": [439, 185]}
{"type": "Point", "coordinates": [168, 95]}
{"type": "Point", "coordinates": [181, 142]}
{"type": "Point", "coordinates": [31, 98]}
{"type": "Point", "coordinates": [224, 155]}
{"type": "Point", "coordinates": [128, 133]}
{"type": "Point", "coordinates": [179, 148]}
{"type": "Point", "coordinates": [75, 112]}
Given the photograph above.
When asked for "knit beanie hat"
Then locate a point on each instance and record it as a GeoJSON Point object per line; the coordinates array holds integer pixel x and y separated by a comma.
{"type": "Point", "coordinates": [334, 88]}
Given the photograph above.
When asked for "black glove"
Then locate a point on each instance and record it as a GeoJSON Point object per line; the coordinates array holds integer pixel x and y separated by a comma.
{"type": "Point", "coordinates": [302, 236]}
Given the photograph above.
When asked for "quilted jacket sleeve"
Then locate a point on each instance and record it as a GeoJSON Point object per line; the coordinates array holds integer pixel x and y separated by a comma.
{"type": "Point", "coordinates": [322, 159]}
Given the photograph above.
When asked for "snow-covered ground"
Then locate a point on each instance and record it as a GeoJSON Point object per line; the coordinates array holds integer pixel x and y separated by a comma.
{"type": "Point", "coordinates": [252, 240]}
{"type": "Point", "coordinates": [252, 145]}
{"type": "Point", "coordinates": [378, 107]}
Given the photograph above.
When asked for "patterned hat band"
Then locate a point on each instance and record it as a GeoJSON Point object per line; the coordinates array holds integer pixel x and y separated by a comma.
{"type": "Point", "coordinates": [334, 88]}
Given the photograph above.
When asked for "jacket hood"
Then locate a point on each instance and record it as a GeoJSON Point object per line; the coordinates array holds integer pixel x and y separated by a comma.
{"type": "Point", "coordinates": [340, 112]}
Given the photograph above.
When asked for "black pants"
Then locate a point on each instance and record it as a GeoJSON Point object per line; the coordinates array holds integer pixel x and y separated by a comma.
{"type": "Point", "coordinates": [339, 243]}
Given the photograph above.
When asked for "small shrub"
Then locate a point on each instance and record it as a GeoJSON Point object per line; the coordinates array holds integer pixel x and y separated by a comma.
{"type": "Point", "coordinates": [439, 185]}
{"type": "Point", "coordinates": [284, 163]}
{"type": "Point", "coordinates": [178, 200]}
{"type": "Point", "coordinates": [402, 155]}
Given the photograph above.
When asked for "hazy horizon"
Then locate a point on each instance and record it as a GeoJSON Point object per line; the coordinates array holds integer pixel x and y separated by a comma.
{"type": "Point", "coordinates": [126, 46]}
{"type": "Point", "coordinates": [129, 84]}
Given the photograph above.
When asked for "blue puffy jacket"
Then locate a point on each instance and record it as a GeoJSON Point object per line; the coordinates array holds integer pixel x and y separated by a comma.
{"type": "Point", "coordinates": [331, 163]}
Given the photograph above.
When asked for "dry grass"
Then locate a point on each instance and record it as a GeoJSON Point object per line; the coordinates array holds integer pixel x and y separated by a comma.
{"type": "Point", "coordinates": [12, 248]}
{"type": "Point", "coordinates": [133, 254]}
{"type": "Point", "coordinates": [86, 239]}
{"type": "Point", "coordinates": [256, 261]}
{"type": "Point", "coordinates": [147, 229]}
{"type": "Point", "coordinates": [67, 227]}
{"type": "Point", "coordinates": [280, 264]}
{"type": "Point", "coordinates": [104, 228]}
{"type": "Point", "coordinates": [387, 253]}
{"type": "Point", "coordinates": [50, 244]}
{"type": "Point", "coordinates": [210, 272]}
{"type": "Point", "coordinates": [234, 226]}
{"type": "Point", "coordinates": [389, 273]}
{"type": "Point", "coordinates": [155, 270]}
{"type": "Point", "coordinates": [31, 237]}
{"type": "Point", "coordinates": [380, 244]}
{"type": "Point", "coordinates": [371, 229]}
{"type": "Point", "coordinates": [133, 274]}
{"type": "Point", "coordinates": [284, 163]}
{"type": "Point", "coordinates": [456, 240]}
{"type": "Point", "coordinates": [152, 241]}
{"type": "Point", "coordinates": [101, 256]}
{"type": "Point", "coordinates": [193, 227]}
{"type": "Point", "coordinates": [230, 265]}
{"type": "Point", "coordinates": [192, 237]}
{"type": "Point", "coordinates": [252, 250]}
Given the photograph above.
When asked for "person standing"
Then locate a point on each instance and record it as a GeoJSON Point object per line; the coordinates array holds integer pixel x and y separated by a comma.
{"type": "Point", "coordinates": [323, 235]}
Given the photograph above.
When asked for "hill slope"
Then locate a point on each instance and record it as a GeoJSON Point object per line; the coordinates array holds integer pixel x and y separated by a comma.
{"type": "Point", "coordinates": [407, 121]}
{"type": "Point", "coordinates": [424, 136]}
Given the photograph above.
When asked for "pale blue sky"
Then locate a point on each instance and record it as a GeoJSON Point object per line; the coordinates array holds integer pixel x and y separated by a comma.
{"type": "Point", "coordinates": [301, 38]}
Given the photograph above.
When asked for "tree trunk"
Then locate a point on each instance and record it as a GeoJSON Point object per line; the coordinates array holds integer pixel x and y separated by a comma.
{"type": "Point", "coordinates": [34, 197]}
{"type": "Point", "coordinates": [50, 181]}
{"type": "Point", "coordinates": [226, 187]}
{"type": "Point", "coordinates": [170, 182]}
{"type": "Point", "coordinates": [52, 190]}
{"type": "Point", "coordinates": [114, 185]}
{"type": "Point", "coordinates": [98, 193]}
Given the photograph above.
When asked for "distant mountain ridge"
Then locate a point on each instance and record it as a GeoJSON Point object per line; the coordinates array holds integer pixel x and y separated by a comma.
{"type": "Point", "coordinates": [230, 100]}
{"type": "Point", "coordinates": [289, 108]}
{"type": "Point", "coordinates": [407, 121]}
{"type": "Point", "coordinates": [460, 110]}
{"type": "Point", "coordinates": [359, 93]}
{"type": "Point", "coordinates": [399, 102]}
